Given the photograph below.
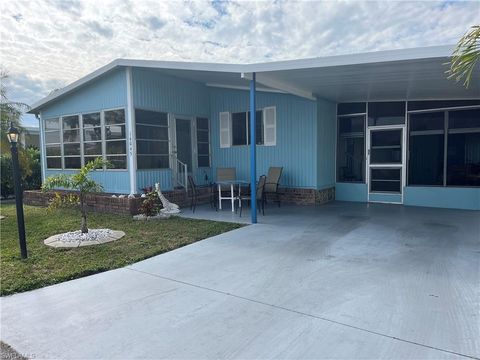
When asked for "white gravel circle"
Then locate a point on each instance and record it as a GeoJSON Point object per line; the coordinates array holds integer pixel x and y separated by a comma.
{"type": "Point", "coordinates": [76, 238]}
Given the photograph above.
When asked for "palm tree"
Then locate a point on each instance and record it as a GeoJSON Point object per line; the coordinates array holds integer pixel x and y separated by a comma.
{"type": "Point", "coordinates": [465, 56]}
{"type": "Point", "coordinates": [10, 111]}
{"type": "Point", "coordinates": [81, 183]}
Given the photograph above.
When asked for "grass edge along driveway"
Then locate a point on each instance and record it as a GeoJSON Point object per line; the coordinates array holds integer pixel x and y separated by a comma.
{"type": "Point", "coordinates": [47, 266]}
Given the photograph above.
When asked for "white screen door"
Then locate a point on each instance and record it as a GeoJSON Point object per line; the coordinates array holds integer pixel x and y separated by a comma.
{"type": "Point", "coordinates": [386, 159]}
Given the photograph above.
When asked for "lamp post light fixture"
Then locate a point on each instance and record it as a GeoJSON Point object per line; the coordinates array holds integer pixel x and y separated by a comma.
{"type": "Point", "coordinates": [13, 136]}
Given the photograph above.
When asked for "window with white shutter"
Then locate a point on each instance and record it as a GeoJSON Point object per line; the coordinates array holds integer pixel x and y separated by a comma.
{"type": "Point", "coordinates": [225, 130]}
{"type": "Point", "coordinates": [270, 126]}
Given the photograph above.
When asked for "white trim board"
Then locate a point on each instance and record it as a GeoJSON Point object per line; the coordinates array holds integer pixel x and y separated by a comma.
{"type": "Point", "coordinates": [130, 136]}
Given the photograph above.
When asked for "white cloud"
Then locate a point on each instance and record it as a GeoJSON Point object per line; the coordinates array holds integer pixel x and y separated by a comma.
{"type": "Point", "coordinates": [47, 44]}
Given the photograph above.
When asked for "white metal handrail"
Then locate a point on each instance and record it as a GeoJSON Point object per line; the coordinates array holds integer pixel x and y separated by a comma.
{"type": "Point", "coordinates": [180, 173]}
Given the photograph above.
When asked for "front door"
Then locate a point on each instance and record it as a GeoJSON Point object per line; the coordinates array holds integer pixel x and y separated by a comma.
{"type": "Point", "coordinates": [183, 141]}
{"type": "Point", "coordinates": [386, 161]}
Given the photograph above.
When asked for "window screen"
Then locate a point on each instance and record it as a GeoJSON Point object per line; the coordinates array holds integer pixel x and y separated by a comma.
{"type": "Point", "coordinates": [152, 139]}
{"type": "Point", "coordinates": [429, 163]}
{"type": "Point", "coordinates": [239, 128]}
{"type": "Point", "coordinates": [115, 138]}
{"type": "Point", "coordinates": [71, 142]}
{"type": "Point", "coordinates": [351, 149]}
{"type": "Point", "coordinates": [386, 147]}
{"type": "Point", "coordinates": [463, 151]}
{"type": "Point", "coordinates": [351, 108]}
{"type": "Point", "coordinates": [386, 113]}
{"type": "Point", "coordinates": [203, 142]}
{"type": "Point", "coordinates": [92, 137]}
{"type": "Point", "coordinates": [53, 150]}
{"type": "Point", "coordinates": [440, 104]}
{"type": "Point", "coordinates": [386, 180]}
{"type": "Point", "coordinates": [426, 148]}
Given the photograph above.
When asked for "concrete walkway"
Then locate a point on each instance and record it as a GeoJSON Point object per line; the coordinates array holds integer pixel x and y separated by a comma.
{"type": "Point", "coordinates": [342, 280]}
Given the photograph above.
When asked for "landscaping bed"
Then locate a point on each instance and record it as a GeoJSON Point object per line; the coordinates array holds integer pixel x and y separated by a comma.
{"type": "Point", "coordinates": [46, 265]}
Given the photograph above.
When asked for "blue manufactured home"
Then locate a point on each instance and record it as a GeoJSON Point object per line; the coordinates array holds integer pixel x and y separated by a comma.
{"type": "Point", "coordinates": [375, 127]}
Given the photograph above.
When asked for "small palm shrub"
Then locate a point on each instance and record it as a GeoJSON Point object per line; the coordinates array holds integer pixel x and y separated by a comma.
{"type": "Point", "coordinates": [80, 182]}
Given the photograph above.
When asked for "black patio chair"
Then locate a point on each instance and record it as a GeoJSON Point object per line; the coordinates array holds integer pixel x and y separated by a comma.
{"type": "Point", "coordinates": [214, 196]}
{"type": "Point", "coordinates": [272, 183]}
{"type": "Point", "coordinates": [260, 196]}
{"type": "Point", "coordinates": [193, 193]}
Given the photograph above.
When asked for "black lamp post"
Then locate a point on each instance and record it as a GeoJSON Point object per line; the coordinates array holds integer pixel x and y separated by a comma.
{"type": "Point", "coordinates": [13, 139]}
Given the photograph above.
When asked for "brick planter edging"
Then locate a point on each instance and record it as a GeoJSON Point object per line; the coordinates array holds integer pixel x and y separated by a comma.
{"type": "Point", "coordinates": [95, 202]}
{"type": "Point", "coordinates": [103, 202]}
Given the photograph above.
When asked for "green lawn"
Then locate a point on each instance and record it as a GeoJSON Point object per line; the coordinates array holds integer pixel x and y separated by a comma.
{"type": "Point", "coordinates": [47, 266]}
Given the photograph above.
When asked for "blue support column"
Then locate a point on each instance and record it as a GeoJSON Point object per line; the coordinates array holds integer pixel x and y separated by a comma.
{"type": "Point", "coordinates": [253, 150]}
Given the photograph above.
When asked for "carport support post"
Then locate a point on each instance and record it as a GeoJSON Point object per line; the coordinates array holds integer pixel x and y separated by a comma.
{"type": "Point", "coordinates": [253, 151]}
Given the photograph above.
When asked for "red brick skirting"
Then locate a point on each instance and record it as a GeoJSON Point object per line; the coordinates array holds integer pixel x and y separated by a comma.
{"type": "Point", "coordinates": [300, 196]}
{"type": "Point", "coordinates": [103, 202]}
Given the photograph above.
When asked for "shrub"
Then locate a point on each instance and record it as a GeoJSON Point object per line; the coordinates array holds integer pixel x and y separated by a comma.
{"type": "Point", "coordinates": [30, 171]}
{"type": "Point", "coordinates": [33, 179]}
{"type": "Point", "coordinates": [150, 205]}
{"type": "Point", "coordinates": [80, 182]}
{"type": "Point", "coordinates": [6, 171]}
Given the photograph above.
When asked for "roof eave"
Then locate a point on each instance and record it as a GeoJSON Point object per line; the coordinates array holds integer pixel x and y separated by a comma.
{"type": "Point", "coordinates": [34, 109]}
{"type": "Point", "coordinates": [412, 54]}
{"type": "Point", "coordinates": [175, 65]}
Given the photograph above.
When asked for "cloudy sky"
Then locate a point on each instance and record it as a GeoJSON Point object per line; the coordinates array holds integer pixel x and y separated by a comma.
{"type": "Point", "coordinates": [47, 44]}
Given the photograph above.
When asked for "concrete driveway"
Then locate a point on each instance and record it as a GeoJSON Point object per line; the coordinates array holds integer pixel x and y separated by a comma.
{"type": "Point", "coordinates": [343, 280]}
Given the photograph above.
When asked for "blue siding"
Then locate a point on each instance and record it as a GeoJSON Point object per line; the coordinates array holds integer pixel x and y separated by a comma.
{"type": "Point", "coordinates": [156, 91]}
{"type": "Point", "coordinates": [393, 198]}
{"type": "Point", "coordinates": [453, 198]}
{"type": "Point", "coordinates": [164, 177]}
{"type": "Point", "coordinates": [112, 181]}
{"type": "Point", "coordinates": [200, 176]}
{"type": "Point", "coordinates": [306, 132]}
{"type": "Point", "coordinates": [351, 192]}
{"type": "Point", "coordinates": [296, 137]}
{"type": "Point", "coordinates": [106, 92]}
{"type": "Point", "coordinates": [326, 134]}
{"type": "Point", "coordinates": [150, 177]}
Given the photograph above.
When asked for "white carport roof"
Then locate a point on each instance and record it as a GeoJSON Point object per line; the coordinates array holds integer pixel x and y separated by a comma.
{"type": "Point", "coordinates": [417, 73]}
